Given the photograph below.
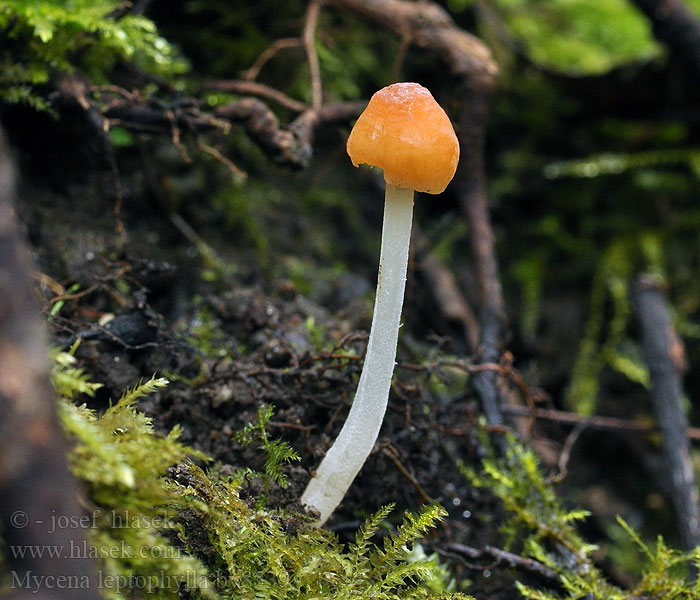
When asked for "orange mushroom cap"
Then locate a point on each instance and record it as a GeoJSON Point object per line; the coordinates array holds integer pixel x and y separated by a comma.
{"type": "Point", "coordinates": [404, 131]}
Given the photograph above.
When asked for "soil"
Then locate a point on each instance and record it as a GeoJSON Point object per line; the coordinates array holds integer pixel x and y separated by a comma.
{"type": "Point", "coordinates": [136, 298]}
{"type": "Point", "coordinates": [136, 265]}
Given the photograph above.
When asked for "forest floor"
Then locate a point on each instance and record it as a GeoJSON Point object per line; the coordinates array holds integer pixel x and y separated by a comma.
{"type": "Point", "coordinates": [151, 286]}
{"type": "Point", "coordinates": [137, 292]}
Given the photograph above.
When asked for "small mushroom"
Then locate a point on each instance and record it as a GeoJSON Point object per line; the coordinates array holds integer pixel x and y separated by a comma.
{"type": "Point", "coordinates": [404, 131]}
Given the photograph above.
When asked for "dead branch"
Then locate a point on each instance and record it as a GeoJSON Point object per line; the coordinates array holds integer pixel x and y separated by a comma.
{"type": "Point", "coordinates": [664, 356]}
{"type": "Point", "coordinates": [527, 565]}
{"type": "Point", "coordinates": [281, 44]}
{"type": "Point", "coordinates": [594, 422]}
{"type": "Point", "coordinates": [474, 205]}
{"type": "Point", "coordinates": [308, 38]}
{"type": "Point", "coordinates": [253, 88]}
{"type": "Point", "coordinates": [430, 26]}
{"type": "Point", "coordinates": [405, 472]}
{"type": "Point", "coordinates": [36, 485]}
{"type": "Point", "coordinates": [289, 146]}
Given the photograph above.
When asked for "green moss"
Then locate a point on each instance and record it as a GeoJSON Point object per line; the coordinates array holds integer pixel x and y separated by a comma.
{"type": "Point", "coordinates": [606, 342]}
{"type": "Point", "coordinates": [582, 36]}
{"type": "Point", "coordinates": [122, 464]}
{"type": "Point", "coordinates": [542, 528]}
{"type": "Point", "coordinates": [57, 36]}
{"type": "Point", "coordinates": [161, 530]}
{"type": "Point", "coordinates": [277, 452]}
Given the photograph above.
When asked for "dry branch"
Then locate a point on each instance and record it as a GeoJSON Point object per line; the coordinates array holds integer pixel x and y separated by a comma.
{"type": "Point", "coordinates": [429, 26]}
{"type": "Point", "coordinates": [290, 146]}
{"type": "Point", "coordinates": [308, 38]}
{"type": "Point", "coordinates": [281, 44]}
{"type": "Point", "coordinates": [502, 557]}
{"type": "Point", "coordinates": [594, 422]}
{"type": "Point", "coordinates": [253, 88]}
{"type": "Point", "coordinates": [664, 355]}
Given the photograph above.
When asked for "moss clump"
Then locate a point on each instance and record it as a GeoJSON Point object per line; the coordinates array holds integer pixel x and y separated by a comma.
{"type": "Point", "coordinates": [122, 464]}
{"type": "Point", "coordinates": [264, 554]}
{"type": "Point", "coordinates": [49, 37]}
{"type": "Point", "coordinates": [544, 530]}
{"type": "Point", "coordinates": [160, 530]}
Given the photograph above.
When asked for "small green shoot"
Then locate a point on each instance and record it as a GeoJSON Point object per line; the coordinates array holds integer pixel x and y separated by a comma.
{"type": "Point", "coordinates": [277, 452]}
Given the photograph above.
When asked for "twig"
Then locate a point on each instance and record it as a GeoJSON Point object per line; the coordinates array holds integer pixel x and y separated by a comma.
{"type": "Point", "coordinates": [308, 37]}
{"type": "Point", "coordinates": [664, 355]}
{"type": "Point", "coordinates": [269, 52]}
{"type": "Point", "coordinates": [404, 44]}
{"type": "Point", "coordinates": [430, 26]}
{"type": "Point", "coordinates": [49, 282]}
{"type": "Point", "coordinates": [528, 565]}
{"type": "Point", "coordinates": [475, 208]}
{"type": "Point", "coordinates": [260, 90]}
{"type": "Point", "coordinates": [565, 454]}
{"type": "Point", "coordinates": [65, 297]}
{"type": "Point", "coordinates": [235, 170]}
{"type": "Point", "coordinates": [341, 112]}
{"type": "Point", "coordinates": [291, 146]}
{"type": "Point", "coordinates": [506, 369]}
{"type": "Point", "coordinates": [296, 426]}
{"type": "Point", "coordinates": [595, 422]}
{"type": "Point", "coordinates": [427, 499]}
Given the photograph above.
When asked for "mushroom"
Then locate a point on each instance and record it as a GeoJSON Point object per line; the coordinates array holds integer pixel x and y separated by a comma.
{"type": "Point", "coordinates": [404, 131]}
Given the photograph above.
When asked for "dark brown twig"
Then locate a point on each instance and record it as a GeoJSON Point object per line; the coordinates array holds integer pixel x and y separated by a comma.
{"type": "Point", "coordinates": [308, 38]}
{"type": "Point", "coordinates": [565, 454]}
{"type": "Point", "coordinates": [281, 44]}
{"type": "Point", "coordinates": [429, 26]}
{"type": "Point", "coordinates": [522, 563]}
{"type": "Point", "coordinates": [291, 146]}
{"type": "Point", "coordinates": [664, 355]}
{"type": "Point", "coordinates": [475, 208]}
{"type": "Point", "coordinates": [424, 497]}
{"type": "Point", "coordinates": [253, 88]}
{"type": "Point", "coordinates": [235, 170]}
{"type": "Point", "coordinates": [595, 422]}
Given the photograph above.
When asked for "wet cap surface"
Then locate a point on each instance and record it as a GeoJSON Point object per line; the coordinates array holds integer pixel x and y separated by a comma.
{"type": "Point", "coordinates": [405, 132]}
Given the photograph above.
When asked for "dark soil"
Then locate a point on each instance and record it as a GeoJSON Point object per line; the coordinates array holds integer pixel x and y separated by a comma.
{"type": "Point", "coordinates": [133, 293]}
{"type": "Point", "coordinates": [123, 271]}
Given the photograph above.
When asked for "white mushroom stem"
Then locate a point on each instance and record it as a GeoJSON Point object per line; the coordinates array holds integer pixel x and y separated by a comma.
{"type": "Point", "coordinates": [356, 439]}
